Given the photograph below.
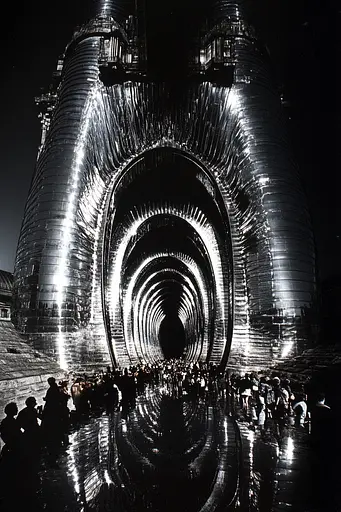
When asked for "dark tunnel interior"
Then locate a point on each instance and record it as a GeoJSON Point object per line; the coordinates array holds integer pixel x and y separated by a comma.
{"type": "Point", "coordinates": [172, 336]}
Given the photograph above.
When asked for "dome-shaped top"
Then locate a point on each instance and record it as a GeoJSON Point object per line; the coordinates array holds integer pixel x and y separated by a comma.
{"type": "Point", "coordinates": [6, 282]}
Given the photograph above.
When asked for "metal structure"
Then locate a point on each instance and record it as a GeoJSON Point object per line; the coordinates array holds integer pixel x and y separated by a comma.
{"type": "Point", "coordinates": [158, 198]}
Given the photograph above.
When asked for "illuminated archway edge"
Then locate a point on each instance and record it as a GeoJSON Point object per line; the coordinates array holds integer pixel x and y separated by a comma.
{"type": "Point", "coordinates": [199, 223]}
{"type": "Point", "coordinates": [204, 230]}
{"type": "Point", "coordinates": [133, 324]}
{"type": "Point", "coordinates": [135, 276]}
{"type": "Point", "coordinates": [151, 313]}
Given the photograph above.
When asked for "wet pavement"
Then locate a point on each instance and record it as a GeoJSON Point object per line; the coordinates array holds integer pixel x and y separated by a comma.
{"type": "Point", "coordinates": [179, 454]}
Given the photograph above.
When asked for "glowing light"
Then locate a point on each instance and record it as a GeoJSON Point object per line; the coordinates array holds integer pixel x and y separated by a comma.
{"type": "Point", "coordinates": [204, 229]}
{"type": "Point", "coordinates": [287, 348]}
{"type": "Point", "coordinates": [289, 451]}
{"type": "Point", "coordinates": [225, 430]}
{"type": "Point", "coordinates": [72, 466]}
{"type": "Point", "coordinates": [61, 350]}
{"type": "Point", "coordinates": [61, 279]}
{"type": "Point", "coordinates": [107, 478]}
{"type": "Point", "coordinates": [263, 181]}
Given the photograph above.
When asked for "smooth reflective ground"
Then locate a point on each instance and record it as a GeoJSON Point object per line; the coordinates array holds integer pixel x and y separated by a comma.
{"type": "Point", "coordinates": [170, 453]}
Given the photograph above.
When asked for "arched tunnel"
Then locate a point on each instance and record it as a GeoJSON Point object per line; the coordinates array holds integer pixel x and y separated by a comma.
{"type": "Point", "coordinates": [168, 259]}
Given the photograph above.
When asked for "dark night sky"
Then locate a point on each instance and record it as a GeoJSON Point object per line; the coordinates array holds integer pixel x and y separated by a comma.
{"type": "Point", "coordinates": [303, 43]}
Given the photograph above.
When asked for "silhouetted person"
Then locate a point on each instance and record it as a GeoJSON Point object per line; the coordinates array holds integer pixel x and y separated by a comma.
{"type": "Point", "coordinates": [128, 388]}
{"type": "Point", "coordinates": [325, 467]}
{"type": "Point", "coordinates": [111, 394]}
{"type": "Point", "coordinates": [300, 410]}
{"type": "Point", "coordinates": [245, 386]}
{"type": "Point", "coordinates": [52, 424]}
{"type": "Point", "coordinates": [10, 459]}
{"type": "Point", "coordinates": [321, 417]}
{"type": "Point", "coordinates": [28, 422]}
{"type": "Point", "coordinates": [10, 432]}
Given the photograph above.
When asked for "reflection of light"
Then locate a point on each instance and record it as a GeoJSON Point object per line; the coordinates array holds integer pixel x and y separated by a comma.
{"type": "Point", "coordinates": [61, 350]}
{"type": "Point", "coordinates": [60, 278]}
{"type": "Point", "coordinates": [107, 478]}
{"type": "Point", "coordinates": [202, 57]}
{"type": "Point", "coordinates": [92, 485]}
{"type": "Point", "coordinates": [72, 464]}
{"type": "Point", "coordinates": [251, 438]}
{"type": "Point", "coordinates": [225, 429]}
{"type": "Point", "coordinates": [289, 452]}
{"type": "Point", "coordinates": [233, 101]}
{"type": "Point", "coordinates": [263, 180]}
{"type": "Point", "coordinates": [94, 259]}
{"type": "Point", "coordinates": [287, 348]}
{"type": "Point", "coordinates": [116, 276]}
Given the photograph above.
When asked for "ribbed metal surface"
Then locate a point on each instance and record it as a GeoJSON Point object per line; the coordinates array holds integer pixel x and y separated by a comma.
{"type": "Point", "coordinates": [72, 252]}
{"type": "Point", "coordinates": [6, 282]}
{"type": "Point", "coordinates": [166, 454]}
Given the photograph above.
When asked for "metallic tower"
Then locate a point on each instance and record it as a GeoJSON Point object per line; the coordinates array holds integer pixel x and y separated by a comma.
{"type": "Point", "coordinates": [160, 198]}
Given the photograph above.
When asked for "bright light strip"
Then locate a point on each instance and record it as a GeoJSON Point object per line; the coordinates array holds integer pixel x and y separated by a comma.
{"type": "Point", "coordinates": [187, 261]}
{"type": "Point", "coordinates": [60, 278]}
{"type": "Point", "coordinates": [206, 233]}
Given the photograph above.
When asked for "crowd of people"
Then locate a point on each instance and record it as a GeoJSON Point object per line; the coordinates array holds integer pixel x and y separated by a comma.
{"type": "Point", "coordinates": [273, 400]}
{"type": "Point", "coordinates": [258, 397]}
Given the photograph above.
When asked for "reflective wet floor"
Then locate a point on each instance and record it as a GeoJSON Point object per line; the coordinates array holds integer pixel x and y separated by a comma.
{"type": "Point", "coordinates": [177, 454]}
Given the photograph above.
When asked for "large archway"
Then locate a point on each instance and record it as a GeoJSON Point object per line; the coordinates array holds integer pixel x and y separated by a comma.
{"type": "Point", "coordinates": [167, 248]}
{"type": "Point", "coordinates": [154, 197]}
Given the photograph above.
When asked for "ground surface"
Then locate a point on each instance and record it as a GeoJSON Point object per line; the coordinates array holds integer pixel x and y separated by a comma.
{"type": "Point", "coordinates": [180, 455]}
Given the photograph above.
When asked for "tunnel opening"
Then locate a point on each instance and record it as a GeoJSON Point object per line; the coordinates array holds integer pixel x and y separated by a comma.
{"type": "Point", "coordinates": [167, 263]}
{"type": "Point", "coordinates": [172, 337]}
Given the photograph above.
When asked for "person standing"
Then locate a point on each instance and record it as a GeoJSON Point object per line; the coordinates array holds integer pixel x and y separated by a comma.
{"type": "Point", "coordinates": [52, 421]}
{"type": "Point", "coordinates": [10, 433]}
{"type": "Point", "coordinates": [300, 410]}
{"type": "Point", "coordinates": [321, 416]}
{"type": "Point", "coordinates": [28, 421]}
{"type": "Point", "coordinates": [10, 457]}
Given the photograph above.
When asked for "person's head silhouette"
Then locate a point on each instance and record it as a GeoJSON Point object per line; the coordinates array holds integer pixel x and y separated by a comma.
{"type": "Point", "coordinates": [11, 409]}
{"type": "Point", "coordinates": [31, 402]}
